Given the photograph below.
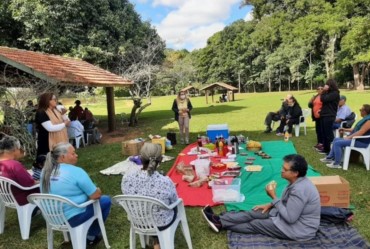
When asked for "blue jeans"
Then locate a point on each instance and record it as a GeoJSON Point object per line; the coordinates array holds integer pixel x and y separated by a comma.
{"type": "Point", "coordinates": [105, 203]}
{"type": "Point", "coordinates": [339, 144]}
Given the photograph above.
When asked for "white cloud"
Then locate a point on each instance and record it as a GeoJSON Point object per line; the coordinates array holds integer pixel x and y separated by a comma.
{"type": "Point", "coordinates": [249, 16]}
{"type": "Point", "coordinates": [193, 22]}
{"type": "Point", "coordinates": [168, 3]}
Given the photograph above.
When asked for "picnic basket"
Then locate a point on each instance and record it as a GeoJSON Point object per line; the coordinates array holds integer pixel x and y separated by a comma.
{"type": "Point", "coordinates": [132, 147]}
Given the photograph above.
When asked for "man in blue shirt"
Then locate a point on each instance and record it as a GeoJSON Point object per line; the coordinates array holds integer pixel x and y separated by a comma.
{"type": "Point", "coordinates": [343, 112]}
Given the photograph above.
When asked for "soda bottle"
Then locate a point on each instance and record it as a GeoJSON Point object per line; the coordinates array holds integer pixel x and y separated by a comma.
{"type": "Point", "coordinates": [199, 141]}
{"type": "Point", "coordinates": [220, 148]}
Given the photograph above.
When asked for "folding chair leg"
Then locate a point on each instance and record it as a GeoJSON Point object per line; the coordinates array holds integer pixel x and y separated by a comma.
{"type": "Point", "coordinates": [2, 217]}
{"type": "Point", "coordinates": [347, 152]}
{"type": "Point", "coordinates": [24, 219]}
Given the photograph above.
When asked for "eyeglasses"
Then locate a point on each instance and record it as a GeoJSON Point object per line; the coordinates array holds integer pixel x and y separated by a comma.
{"type": "Point", "coordinates": [285, 170]}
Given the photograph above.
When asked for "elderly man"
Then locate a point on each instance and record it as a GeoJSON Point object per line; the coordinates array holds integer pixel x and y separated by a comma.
{"type": "Point", "coordinates": [295, 216]}
{"type": "Point", "coordinates": [343, 112]}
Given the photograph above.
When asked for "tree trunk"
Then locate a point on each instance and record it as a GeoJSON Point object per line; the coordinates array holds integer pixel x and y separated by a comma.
{"type": "Point", "coordinates": [289, 83]}
{"type": "Point", "coordinates": [330, 57]}
{"type": "Point", "coordinates": [133, 120]}
{"type": "Point", "coordinates": [357, 77]}
{"type": "Point", "coordinates": [141, 109]}
{"type": "Point", "coordinates": [269, 84]}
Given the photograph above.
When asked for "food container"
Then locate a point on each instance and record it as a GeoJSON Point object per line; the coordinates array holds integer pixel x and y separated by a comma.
{"type": "Point", "coordinates": [227, 191]}
{"type": "Point", "coordinates": [201, 167]}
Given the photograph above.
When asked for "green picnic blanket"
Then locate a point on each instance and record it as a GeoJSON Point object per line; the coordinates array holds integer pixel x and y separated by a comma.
{"type": "Point", "coordinates": [253, 183]}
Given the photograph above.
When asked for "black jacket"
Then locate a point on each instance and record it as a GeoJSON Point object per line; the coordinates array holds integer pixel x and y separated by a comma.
{"type": "Point", "coordinates": [330, 102]}
{"type": "Point", "coordinates": [294, 111]}
{"type": "Point", "coordinates": [176, 109]}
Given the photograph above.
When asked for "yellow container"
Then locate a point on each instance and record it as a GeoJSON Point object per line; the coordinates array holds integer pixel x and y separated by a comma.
{"type": "Point", "coordinates": [161, 141]}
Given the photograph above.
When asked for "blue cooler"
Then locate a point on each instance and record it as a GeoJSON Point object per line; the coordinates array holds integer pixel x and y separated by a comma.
{"type": "Point", "coordinates": [216, 130]}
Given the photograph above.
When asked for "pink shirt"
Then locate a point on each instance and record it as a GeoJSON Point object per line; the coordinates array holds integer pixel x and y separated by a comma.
{"type": "Point", "coordinates": [15, 171]}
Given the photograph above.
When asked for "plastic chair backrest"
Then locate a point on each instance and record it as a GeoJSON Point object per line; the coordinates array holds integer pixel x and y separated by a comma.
{"type": "Point", "coordinates": [51, 207]}
{"type": "Point", "coordinates": [6, 194]}
{"type": "Point", "coordinates": [140, 211]}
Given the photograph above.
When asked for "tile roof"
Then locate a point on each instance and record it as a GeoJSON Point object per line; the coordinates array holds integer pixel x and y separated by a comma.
{"type": "Point", "coordinates": [220, 84]}
{"type": "Point", "coordinates": [61, 70]}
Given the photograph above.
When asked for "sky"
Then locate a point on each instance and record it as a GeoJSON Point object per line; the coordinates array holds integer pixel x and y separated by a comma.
{"type": "Point", "coordinates": [187, 24]}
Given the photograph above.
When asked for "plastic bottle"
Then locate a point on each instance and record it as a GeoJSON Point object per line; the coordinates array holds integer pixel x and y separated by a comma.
{"type": "Point", "coordinates": [220, 148]}
{"type": "Point", "coordinates": [199, 141]}
{"type": "Point", "coordinates": [286, 136]}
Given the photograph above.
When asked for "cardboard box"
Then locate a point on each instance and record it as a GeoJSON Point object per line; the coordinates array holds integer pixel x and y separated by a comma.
{"type": "Point", "coordinates": [216, 130]}
{"type": "Point", "coordinates": [161, 141]}
{"type": "Point", "coordinates": [334, 190]}
{"type": "Point", "coordinates": [132, 147]}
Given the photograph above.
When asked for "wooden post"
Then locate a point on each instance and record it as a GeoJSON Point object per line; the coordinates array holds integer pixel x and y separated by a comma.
{"type": "Point", "coordinates": [206, 96]}
{"type": "Point", "coordinates": [110, 108]}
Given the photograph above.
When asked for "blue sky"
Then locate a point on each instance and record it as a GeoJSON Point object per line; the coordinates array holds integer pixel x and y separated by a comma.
{"type": "Point", "coordinates": [189, 23]}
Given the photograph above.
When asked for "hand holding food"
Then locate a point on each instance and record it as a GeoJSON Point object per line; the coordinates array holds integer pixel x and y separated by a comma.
{"type": "Point", "coordinates": [271, 185]}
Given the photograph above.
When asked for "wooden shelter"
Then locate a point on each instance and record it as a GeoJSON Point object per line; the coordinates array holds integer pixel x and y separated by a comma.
{"type": "Point", "coordinates": [65, 71]}
{"type": "Point", "coordinates": [210, 90]}
{"type": "Point", "coordinates": [191, 90]}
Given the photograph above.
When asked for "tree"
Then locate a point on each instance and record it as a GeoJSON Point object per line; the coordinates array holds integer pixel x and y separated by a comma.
{"type": "Point", "coordinates": [142, 65]}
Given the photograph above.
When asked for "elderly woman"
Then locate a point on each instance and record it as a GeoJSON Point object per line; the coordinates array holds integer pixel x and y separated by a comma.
{"type": "Point", "coordinates": [181, 107]}
{"type": "Point", "coordinates": [10, 152]}
{"type": "Point", "coordinates": [61, 177]}
{"type": "Point", "coordinates": [51, 126]}
{"type": "Point", "coordinates": [148, 182]}
{"type": "Point", "coordinates": [362, 128]}
{"type": "Point", "coordinates": [293, 112]}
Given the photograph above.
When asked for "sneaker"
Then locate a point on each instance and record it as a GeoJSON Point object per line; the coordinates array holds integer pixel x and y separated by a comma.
{"type": "Point", "coordinates": [334, 166]}
{"type": "Point", "coordinates": [212, 220]}
{"type": "Point", "coordinates": [326, 160]}
{"type": "Point", "coordinates": [208, 209]}
{"type": "Point", "coordinates": [318, 146]}
{"type": "Point", "coordinates": [268, 130]}
{"type": "Point", "coordinates": [322, 152]}
{"type": "Point", "coordinates": [279, 134]}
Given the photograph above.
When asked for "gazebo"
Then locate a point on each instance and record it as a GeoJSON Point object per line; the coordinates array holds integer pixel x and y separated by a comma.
{"type": "Point", "coordinates": [65, 71]}
{"type": "Point", "coordinates": [230, 90]}
{"type": "Point", "coordinates": [191, 90]}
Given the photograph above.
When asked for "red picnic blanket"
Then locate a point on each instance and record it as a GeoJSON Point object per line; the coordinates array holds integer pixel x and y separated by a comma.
{"type": "Point", "coordinates": [192, 196]}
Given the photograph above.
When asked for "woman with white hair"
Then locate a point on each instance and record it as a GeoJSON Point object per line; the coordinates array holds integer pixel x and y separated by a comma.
{"type": "Point", "coordinates": [11, 168]}
{"type": "Point", "coordinates": [61, 177]}
{"type": "Point", "coordinates": [149, 182]}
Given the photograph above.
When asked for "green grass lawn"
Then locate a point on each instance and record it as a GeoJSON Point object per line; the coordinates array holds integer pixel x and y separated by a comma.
{"type": "Point", "coordinates": [244, 116]}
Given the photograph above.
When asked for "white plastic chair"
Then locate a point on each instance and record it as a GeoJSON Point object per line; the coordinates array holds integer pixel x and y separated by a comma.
{"type": "Point", "coordinates": [336, 131]}
{"type": "Point", "coordinates": [139, 210]}
{"type": "Point", "coordinates": [302, 122]}
{"type": "Point", "coordinates": [72, 136]}
{"type": "Point", "coordinates": [51, 207]}
{"type": "Point", "coordinates": [364, 151]}
{"type": "Point", "coordinates": [7, 200]}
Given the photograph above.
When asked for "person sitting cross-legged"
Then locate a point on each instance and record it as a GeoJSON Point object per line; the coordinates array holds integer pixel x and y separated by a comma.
{"type": "Point", "coordinates": [362, 128]}
{"type": "Point", "coordinates": [295, 216]}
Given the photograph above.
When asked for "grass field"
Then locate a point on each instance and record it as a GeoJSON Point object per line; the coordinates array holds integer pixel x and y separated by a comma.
{"type": "Point", "coordinates": [244, 116]}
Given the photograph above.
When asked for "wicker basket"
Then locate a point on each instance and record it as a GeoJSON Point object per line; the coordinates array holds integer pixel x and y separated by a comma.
{"type": "Point", "coordinates": [131, 147]}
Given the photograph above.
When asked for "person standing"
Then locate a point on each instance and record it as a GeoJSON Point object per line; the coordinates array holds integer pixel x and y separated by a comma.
{"type": "Point", "coordinates": [330, 100]}
{"type": "Point", "coordinates": [50, 124]}
{"type": "Point", "coordinates": [78, 110]}
{"type": "Point", "coordinates": [315, 104]}
{"type": "Point", "coordinates": [182, 108]}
